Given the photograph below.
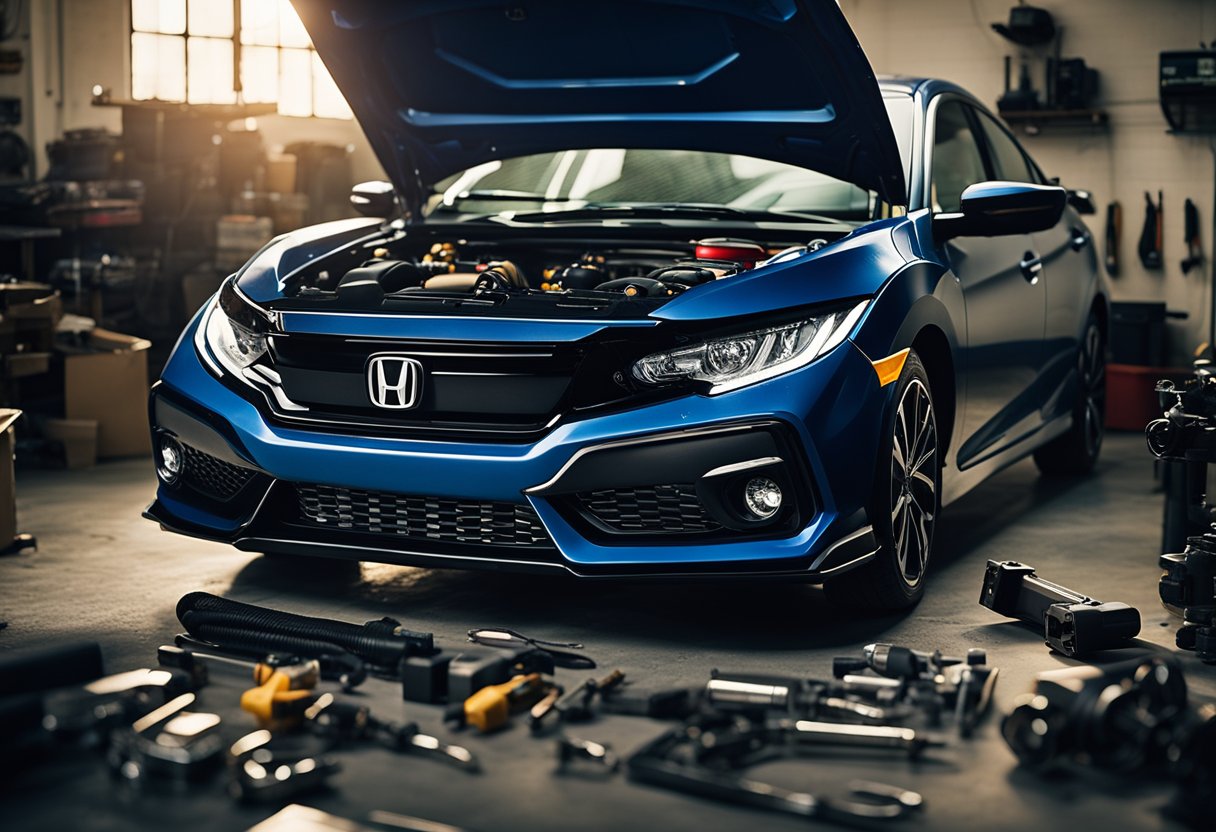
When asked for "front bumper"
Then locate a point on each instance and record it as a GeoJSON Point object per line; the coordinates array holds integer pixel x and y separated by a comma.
{"type": "Point", "coordinates": [821, 422]}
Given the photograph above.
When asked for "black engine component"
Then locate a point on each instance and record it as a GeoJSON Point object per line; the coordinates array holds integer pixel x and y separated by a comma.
{"type": "Point", "coordinates": [683, 276]}
{"type": "Point", "coordinates": [369, 283]}
{"type": "Point", "coordinates": [1189, 584]}
{"type": "Point", "coordinates": [1121, 717]}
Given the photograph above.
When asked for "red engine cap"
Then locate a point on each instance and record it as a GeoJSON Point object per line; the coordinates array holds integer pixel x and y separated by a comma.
{"type": "Point", "coordinates": [743, 252]}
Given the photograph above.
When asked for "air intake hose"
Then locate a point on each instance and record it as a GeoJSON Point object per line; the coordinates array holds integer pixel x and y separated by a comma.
{"type": "Point", "coordinates": [384, 643]}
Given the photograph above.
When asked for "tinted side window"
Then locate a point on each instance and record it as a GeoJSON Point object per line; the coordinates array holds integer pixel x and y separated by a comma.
{"type": "Point", "coordinates": [956, 157]}
{"type": "Point", "coordinates": [1007, 158]}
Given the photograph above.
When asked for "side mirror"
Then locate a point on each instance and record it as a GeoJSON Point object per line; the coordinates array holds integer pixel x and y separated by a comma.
{"type": "Point", "coordinates": [374, 199]}
{"type": "Point", "coordinates": [1082, 202]}
{"type": "Point", "coordinates": [993, 209]}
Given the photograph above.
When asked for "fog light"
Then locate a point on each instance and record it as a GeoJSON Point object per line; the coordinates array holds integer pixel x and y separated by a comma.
{"type": "Point", "coordinates": [169, 458]}
{"type": "Point", "coordinates": [762, 497]}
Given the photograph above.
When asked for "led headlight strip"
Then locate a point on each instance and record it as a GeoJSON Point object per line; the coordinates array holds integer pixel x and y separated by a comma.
{"type": "Point", "coordinates": [740, 360]}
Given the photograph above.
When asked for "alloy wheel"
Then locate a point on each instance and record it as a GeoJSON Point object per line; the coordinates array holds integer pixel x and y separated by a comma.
{"type": "Point", "coordinates": [1093, 389]}
{"type": "Point", "coordinates": [913, 481]}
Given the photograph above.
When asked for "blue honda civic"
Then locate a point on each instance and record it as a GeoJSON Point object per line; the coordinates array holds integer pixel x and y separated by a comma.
{"type": "Point", "coordinates": [657, 289]}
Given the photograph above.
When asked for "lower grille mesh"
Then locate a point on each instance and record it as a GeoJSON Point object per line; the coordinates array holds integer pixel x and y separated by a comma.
{"type": "Point", "coordinates": [212, 476]}
{"type": "Point", "coordinates": [670, 509]}
{"type": "Point", "coordinates": [415, 516]}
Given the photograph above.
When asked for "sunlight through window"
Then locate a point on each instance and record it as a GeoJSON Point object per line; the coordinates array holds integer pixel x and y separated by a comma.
{"type": "Point", "coordinates": [182, 50]}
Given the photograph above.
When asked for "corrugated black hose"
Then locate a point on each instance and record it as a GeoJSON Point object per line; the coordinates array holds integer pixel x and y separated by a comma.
{"type": "Point", "coordinates": [384, 643]}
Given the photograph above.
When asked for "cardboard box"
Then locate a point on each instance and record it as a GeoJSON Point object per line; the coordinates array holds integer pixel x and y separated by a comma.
{"type": "Point", "coordinates": [281, 173]}
{"type": "Point", "coordinates": [26, 364]}
{"type": "Point", "coordinates": [78, 437]}
{"type": "Point", "coordinates": [8, 482]}
{"type": "Point", "coordinates": [109, 385]}
{"type": "Point", "coordinates": [29, 313]}
{"type": "Point", "coordinates": [243, 232]}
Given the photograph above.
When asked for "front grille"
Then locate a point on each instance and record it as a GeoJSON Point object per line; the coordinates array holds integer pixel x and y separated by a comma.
{"type": "Point", "coordinates": [669, 509]}
{"type": "Point", "coordinates": [420, 517]}
{"type": "Point", "coordinates": [212, 476]}
{"type": "Point", "coordinates": [510, 391]}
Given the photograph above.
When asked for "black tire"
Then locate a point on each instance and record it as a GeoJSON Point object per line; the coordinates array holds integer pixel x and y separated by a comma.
{"type": "Point", "coordinates": [904, 504]}
{"type": "Point", "coordinates": [1076, 452]}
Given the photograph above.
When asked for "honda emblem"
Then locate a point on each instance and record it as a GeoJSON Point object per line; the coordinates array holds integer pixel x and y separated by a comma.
{"type": "Point", "coordinates": [394, 382]}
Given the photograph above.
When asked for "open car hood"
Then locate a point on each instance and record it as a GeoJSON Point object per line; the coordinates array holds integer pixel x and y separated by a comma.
{"type": "Point", "coordinates": [442, 85]}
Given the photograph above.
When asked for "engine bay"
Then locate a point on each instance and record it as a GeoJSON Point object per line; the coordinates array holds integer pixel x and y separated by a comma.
{"type": "Point", "coordinates": [386, 275]}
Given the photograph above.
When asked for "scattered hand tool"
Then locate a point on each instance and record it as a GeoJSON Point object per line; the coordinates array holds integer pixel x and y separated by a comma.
{"type": "Point", "coordinates": [665, 762]}
{"type": "Point", "coordinates": [282, 695]}
{"type": "Point", "coordinates": [1194, 251]}
{"type": "Point", "coordinates": [1073, 624]}
{"type": "Point", "coordinates": [265, 768]}
{"type": "Point", "coordinates": [1114, 235]}
{"type": "Point", "coordinates": [346, 669]}
{"type": "Point", "coordinates": [758, 694]}
{"type": "Point", "coordinates": [574, 706]}
{"type": "Point", "coordinates": [344, 723]}
{"type": "Point", "coordinates": [916, 681]}
{"type": "Point", "coordinates": [584, 755]}
{"type": "Point", "coordinates": [92, 711]}
{"type": "Point", "coordinates": [169, 742]}
{"type": "Point", "coordinates": [491, 707]}
{"type": "Point", "coordinates": [804, 733]}
{"type": "Point", "coordinates": [474, 669]}
{"type": "Point", "coordinates": [559, 651]}
{"type": "Point", "coordinates": [1149, 247]}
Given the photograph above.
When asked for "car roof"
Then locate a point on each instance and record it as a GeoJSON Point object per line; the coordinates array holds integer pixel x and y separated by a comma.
{"type": "Point", "coordinates": [896, 85]}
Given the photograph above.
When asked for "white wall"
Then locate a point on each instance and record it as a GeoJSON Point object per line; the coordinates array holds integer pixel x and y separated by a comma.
{"type": "Point", "coordinates": [953, 39]}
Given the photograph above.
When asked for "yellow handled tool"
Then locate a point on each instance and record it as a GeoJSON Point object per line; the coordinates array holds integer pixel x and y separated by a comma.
{"type": "Point", "coordinates": [491, 707]}
{"type": "Point", "coordinates": [282, 693]}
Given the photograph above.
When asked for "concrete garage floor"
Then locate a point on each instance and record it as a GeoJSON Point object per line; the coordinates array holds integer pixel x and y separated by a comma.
{"type": "Point", "coordinates": [103, 573]}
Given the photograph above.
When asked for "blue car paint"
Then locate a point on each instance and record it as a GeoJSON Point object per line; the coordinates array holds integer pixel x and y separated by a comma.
{"type": "Point", "coordinates": [443, 85]}
{"type": "Point", "coordinates": [839, 394]}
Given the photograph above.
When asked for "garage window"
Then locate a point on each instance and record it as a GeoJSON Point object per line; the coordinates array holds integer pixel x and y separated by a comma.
{"type": "Point", "coordinates": [184, 50]}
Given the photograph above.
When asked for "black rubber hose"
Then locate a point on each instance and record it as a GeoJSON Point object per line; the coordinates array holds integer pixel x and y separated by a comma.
{"type": "Point", "coordinates": [384, 642]}
{"type": "Point", "coordinates": [336, 663]}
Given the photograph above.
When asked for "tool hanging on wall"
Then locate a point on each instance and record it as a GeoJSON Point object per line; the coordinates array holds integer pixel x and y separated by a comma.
{"type": "Point", "coordinates": [1194, 252]}
{"type": "Point", "coordinates": [1114, 234]}
{"type": "Point", "coordinates": [1150, 236]}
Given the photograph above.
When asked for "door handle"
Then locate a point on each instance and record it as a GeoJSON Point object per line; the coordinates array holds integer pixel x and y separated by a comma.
{"type": "Point", "coordinates": [1080, 238]}
{"type": "Point", "coordinates": [1031, 266]}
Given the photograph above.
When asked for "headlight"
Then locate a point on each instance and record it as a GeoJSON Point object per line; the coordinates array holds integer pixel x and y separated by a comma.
{"type": "Point", "coordinates": [230, 332]}
{"type": "Point", "coordinates": [728, 363]}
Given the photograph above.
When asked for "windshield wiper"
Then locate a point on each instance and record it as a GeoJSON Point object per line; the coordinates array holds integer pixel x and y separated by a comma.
{"type": "Point", "coordinates": [669, 210]}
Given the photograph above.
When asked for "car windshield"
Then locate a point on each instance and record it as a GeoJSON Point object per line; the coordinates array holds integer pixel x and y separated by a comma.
{"type": "Point", "coordinates": [586, 181]}
{"type": "Point", "coordinates": [614, 178]}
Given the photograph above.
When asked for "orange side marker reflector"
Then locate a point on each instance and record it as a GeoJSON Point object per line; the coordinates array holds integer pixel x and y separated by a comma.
{"type": "Point", "coordinates": [889, 368]}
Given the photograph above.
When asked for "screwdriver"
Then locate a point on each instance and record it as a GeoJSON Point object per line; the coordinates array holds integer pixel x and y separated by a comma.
{"type": "Point", "coordinates": [283, 691]}
{"type": "Point", "coordinates": [344, 722]}
{"type": "Point", "coordinates": [574, 706]}
{"type": "Point", "coordinates": [491, 707]}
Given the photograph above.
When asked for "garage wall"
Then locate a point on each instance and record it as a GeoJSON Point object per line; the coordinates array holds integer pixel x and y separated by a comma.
{"type": "Point", "coordinates": [953, 39]}
{"type": "Point", "coordinates": [95, 50]}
